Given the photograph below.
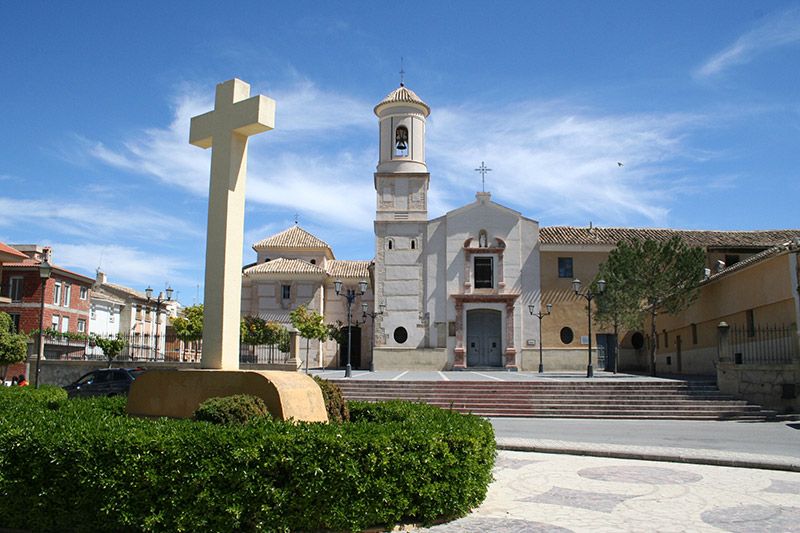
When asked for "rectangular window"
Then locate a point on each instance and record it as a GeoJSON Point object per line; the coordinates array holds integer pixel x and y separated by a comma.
{"type": "Point", "coordinates": [84, 293]}
{"type": "Point", "coordinates": [81, 326]}
{"type": "Point", "coordinates": [57, 293]}
{"type": "Point", "coordinates": [15, 288]}
{"type": "Point", "coordinates": [694, 333]}
{"type": "Point", "coordinates": [64, 324]}
{"type": "Point", "coordinates": [111, 314]}
{"type": "Point", "coordinates": [93, 313]}
{"type": "Point", "coordinates": [15, 321]}
{"type": "Point", "coordinates": [565, 267]}
{"type": "Point", "coordinates": [67, 294]}
{"type": "Point", "coordinates": [484, 272]}
{"type": "Point", "coordinates": [666, 339]}
{"type": "Point", "coordinates": [751, 323]}
{"type": "Point", "coordinates": [54, 322]}
{"type": "Point", "coordinates": [286, 292]}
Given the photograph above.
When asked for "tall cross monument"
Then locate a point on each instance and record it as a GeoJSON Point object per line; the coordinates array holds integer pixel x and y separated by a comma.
{"type": "Point", "coordinates": [225, 130]}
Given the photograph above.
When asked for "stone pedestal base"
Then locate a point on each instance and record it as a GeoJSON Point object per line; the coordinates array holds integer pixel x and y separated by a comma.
{"type": "Point", "coordinates": [178, 393]}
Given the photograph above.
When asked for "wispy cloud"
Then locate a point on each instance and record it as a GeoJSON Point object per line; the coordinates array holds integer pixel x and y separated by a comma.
{"type": "Point", "coordinates": [778, 29]}
{"type": "Point", "coordinates": [557, 160]}
{"type": "Point", "coordinates": [551, 159]}
{"type": "Point", "coordinates": [94, 221]}
{"type": "Point", "coordinates": [125, 265]}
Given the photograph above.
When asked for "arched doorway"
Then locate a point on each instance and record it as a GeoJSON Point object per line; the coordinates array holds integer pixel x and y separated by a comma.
{"type": "Point", "coordinates": [484, 338]}
{"type": "Point", "coordinates": [355, 353]}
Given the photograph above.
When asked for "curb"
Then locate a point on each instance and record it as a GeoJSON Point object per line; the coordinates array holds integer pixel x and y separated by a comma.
{"type": "Point", "coordinates": [647, 453]}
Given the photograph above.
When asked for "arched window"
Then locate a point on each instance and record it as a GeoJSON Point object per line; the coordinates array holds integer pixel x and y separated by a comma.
{"type": "Point", "coordinates": [413, 244]}
{"type": "Point", "coordinates": [390, 244]}
{"type": "Point", "coordinates": [401, 141]}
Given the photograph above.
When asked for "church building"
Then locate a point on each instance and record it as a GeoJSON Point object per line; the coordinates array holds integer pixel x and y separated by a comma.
{"type": "Point", "coordinates": [462, 291]}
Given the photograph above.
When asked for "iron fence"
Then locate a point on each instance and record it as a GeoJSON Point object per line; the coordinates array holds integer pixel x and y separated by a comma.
{"type": "Point", "coordinates": [141, 348]}
{"type": "Point", "coordinates": [764, 344]}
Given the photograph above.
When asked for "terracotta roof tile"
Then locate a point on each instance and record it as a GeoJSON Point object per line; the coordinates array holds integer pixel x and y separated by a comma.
{"type": "Point", "coordinates": [284, 266]}
{"type": "Point", "coordinates": [10, 254]}
{"type": "Point", "coordinates": [348, 269]}
{"type": "Point", "coordinates": [703, 238]}
{"type": "Point", "coordinates": [403, 95]}
{"type": "Point", "coordinates": [293, 237]}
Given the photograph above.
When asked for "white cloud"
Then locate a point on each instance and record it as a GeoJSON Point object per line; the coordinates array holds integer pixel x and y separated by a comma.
{"type": "Point", "coordinates": [779, 29]}
{"type": "Point", "coordinates": [552, 159]}
{"type": "Point", "coordinates": [124, 265]}
{"type": "Point", "coordinates": [94, 220]}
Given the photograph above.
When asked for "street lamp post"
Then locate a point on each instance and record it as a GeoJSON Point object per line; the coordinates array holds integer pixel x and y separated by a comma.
{"type": "Point", "coordinates": [589, 295]}
{"type": "Point", "coordinates": [364, 315]}
{"type": "Point", "coordinates": [540, 316]}
{"type": "Point", "coordinates": [44, 274]}
{"type": "Point", "coordinates": [159, 301]}
{"type": "Point", "coordinates": [350, 295]}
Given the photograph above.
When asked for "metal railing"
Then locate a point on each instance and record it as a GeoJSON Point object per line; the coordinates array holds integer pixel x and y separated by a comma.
{"type": "Point", "coordinates": [141, 348]}
{"type": "Point", "coordinates": [764, 344]}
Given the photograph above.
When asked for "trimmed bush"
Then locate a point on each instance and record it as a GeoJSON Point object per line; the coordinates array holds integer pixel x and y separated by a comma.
{"type": "Point", "coordinates": [86, 467]}
{"type": "Point", "coordinates": [236, 409]}
{"type": "Point", "coordinates": [335, 403]}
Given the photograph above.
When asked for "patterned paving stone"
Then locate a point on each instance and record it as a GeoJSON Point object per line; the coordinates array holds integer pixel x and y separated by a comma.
{"type": "Point", "coordinates": [784, 487]}
{"type": "Point", "coordinates": [594, 501]}
{"type": "Point", "coordinates": [649, 475]}
{"type": "Point", "coordinates": [471, 524]}
{"type": "Point", "coordinates": [749, 518]}
{"type": "Point", "coordinates": [505, 461]}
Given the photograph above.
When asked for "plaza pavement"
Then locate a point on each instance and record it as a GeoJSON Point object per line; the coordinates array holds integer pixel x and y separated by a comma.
{"type": "Point", "coordinates": [630, 475]}
{"type": "Point", "coordinates": [535, 492]}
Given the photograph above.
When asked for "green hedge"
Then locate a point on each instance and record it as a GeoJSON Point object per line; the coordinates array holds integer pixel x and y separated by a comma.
{"type": "Point", "coordinates": [82, 465]}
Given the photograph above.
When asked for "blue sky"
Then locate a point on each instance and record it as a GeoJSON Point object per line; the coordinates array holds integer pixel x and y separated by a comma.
{"type": "Point", "coordinates": [699, 100]}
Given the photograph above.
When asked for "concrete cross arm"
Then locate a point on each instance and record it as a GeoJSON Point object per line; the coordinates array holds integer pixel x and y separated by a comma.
{"type": "Point", "coordinates": [234, 113]}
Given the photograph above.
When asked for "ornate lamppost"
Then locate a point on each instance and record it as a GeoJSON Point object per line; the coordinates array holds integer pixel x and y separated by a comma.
{"type": "Point", "coordinates": [589, 295]}
{"type": "Point", "coordinates": [44, 274]}
{"type": "Point", "coordinates": [159, 301]}
{"type": "Point", "coordinates": [364, 315]}
{"type": "Point", "coordinates": [350, 295]}
{"type": "Point", "coordinates": [540, 316]}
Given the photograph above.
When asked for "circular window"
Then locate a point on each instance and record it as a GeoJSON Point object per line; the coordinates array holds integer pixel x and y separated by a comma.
{"type": "Point", "coordinates": [637, 340]}
{"type": "Point", "coordinates": [400, 335]}
{"type": "Point", "coordinates": [567, 335]}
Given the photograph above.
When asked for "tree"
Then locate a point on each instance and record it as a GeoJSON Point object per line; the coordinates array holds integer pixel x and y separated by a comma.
{"type": "Point", "coordinates": [618, 305]}
{"type": "Point", "coordinates": [256, 331]}
{"type": "Point", "coordinates": [189, 326]}
{"type": "Point", "coordinates": [111, 346]}
{"type": "Point", "coordinates": [13, 345]}
{"type": "Point", "coordinates": [657, 276]}
{"type": "Point", "coordinates": [310, 325]}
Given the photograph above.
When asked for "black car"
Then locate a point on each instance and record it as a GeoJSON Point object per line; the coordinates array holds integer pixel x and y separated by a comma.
{"type": "Point", "coordinates": [105, 382]}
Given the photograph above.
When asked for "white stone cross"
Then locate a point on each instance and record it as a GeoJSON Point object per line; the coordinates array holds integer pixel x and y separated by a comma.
{"type": "Point", "coordinates": [225, 130]}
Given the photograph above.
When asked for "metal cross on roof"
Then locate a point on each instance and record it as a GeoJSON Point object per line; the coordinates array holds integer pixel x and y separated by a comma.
{"type": "Point", "coordinates": [296, 216]}
{"type": "Point", "coordinates": [402, 72]}
{"type": "Point", "coordinates": [483, 170]}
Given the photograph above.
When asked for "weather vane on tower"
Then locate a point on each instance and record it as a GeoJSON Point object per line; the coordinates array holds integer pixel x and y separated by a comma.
{"type": "Point", "coordinates": [402, 72]}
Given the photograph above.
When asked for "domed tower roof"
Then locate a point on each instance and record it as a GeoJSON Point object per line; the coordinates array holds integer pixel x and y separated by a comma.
{"type": "Point", "coordinates": [403, 95]}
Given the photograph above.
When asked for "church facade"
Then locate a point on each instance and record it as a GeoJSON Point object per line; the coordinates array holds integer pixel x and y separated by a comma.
{"type": "Point", "coordinates": [462, 291]}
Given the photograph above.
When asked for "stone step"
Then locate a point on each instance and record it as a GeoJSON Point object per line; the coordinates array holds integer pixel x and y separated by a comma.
{"type": "Point", "coordinates": [565, 399]}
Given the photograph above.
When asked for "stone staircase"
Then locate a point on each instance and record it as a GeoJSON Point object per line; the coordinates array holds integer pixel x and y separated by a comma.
{"type": "Point", "coordinates": [673, 399]}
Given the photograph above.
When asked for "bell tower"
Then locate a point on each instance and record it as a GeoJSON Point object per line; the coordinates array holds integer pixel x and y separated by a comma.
{"type": "Point", "coordinates": [402, 177]}
{"type": "Point", "coordinates": [401, 217]}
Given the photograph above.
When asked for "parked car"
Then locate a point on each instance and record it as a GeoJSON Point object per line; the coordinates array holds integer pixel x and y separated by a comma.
{"type": "Point", "coordinates": [105, 382]}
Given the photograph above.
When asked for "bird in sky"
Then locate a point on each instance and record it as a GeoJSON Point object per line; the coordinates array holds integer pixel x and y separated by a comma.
{"type": "Point", "coordinates": [619, 164]}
